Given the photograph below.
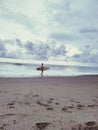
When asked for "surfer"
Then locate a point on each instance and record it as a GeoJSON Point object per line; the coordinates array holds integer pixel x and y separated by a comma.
{"type": "Point", "coordinates": [42, 69]}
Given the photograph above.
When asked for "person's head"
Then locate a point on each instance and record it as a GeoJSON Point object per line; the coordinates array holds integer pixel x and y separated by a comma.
{"type": "Point", "coordinates": [42, 63]}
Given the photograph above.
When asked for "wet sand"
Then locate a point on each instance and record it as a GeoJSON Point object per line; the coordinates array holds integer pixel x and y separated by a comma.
{"type": "Point", "coordinates": [51, 103]}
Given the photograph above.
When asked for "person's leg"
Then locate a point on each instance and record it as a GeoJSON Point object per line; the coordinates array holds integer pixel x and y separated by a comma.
{"type": "Point", "coordinates": [42, 72]}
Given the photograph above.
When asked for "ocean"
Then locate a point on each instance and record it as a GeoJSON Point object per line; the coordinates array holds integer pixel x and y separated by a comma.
{"type": "Point", "coordinates": [29, 70]}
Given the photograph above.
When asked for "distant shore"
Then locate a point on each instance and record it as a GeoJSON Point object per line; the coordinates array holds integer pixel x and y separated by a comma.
{"type": "Point", "coordinates": [54, 103]}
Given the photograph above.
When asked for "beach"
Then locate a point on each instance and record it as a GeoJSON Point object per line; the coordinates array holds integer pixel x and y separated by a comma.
{"type": "Point", "coordinates": [49, 103]}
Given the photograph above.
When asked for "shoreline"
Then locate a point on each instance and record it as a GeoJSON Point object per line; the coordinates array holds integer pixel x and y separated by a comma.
{"type": "Point", "coordinates": [57, 102]}
{"type": "Point", "coordinates": [47, 76]}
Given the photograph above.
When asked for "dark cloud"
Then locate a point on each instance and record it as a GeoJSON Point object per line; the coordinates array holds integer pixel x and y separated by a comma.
{"type": "Point", "coordinates": [31, 50]}
{"type": "Point", "coordinates": [87, 55]}
{"type": "Point", "coordinates": [19, 42]}
{"type": "Point", "coordinates": [89, 31]}
{"type": "Point", "coordinates": [44, 51]}
{"type": "Point", "coordinates": [62, 36]}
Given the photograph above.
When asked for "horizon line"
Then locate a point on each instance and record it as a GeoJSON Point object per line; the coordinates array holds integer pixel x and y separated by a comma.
{"type": "Point", "coordinates": [49, 62]}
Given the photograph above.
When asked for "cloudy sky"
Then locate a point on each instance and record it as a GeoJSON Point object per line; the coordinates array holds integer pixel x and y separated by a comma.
{"type": "Point", "coordinates": [61, 29]}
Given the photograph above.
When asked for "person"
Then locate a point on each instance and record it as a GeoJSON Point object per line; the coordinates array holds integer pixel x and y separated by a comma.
{"type": "Point", "coordinates": [42, 69]}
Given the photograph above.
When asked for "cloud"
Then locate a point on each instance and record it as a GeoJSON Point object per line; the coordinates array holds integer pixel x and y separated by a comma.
{"type": "Point", "coordinates": [50, 23]}
{"type": "Point", "coordinates": [71, 16]}
{"type": "Point", "coordinates": [89, 31]}
{"type": "Point", "coordinates": [44, 20]}
{"type": "Point", "coordinates": [87, 55]}
{"type": "Point", "coordinates": [28, 15]}
{"type": "Point", "coordinates": [89, 34]}
{"type": "Point", "coordinates": [47, 51]}
{"type": "Point", "coordinates": [62, 36]}
{"type": "Point", "coordinates": [31, 50]}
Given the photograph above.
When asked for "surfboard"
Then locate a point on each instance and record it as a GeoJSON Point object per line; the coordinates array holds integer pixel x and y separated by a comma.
{"type": "Point", "coordinates": [44, 68]}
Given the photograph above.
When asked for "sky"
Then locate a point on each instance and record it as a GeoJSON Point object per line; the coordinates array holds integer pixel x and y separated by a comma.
{"type": "Point", "coordinates": [49, 29]}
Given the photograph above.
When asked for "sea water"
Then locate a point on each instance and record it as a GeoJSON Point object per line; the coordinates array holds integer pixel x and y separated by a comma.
{"type": "Point", "coordinates": [23, 70]}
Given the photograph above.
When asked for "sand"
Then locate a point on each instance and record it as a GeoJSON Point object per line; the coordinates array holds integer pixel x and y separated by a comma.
{"type": "Point", "coordinates": [50, 103]}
